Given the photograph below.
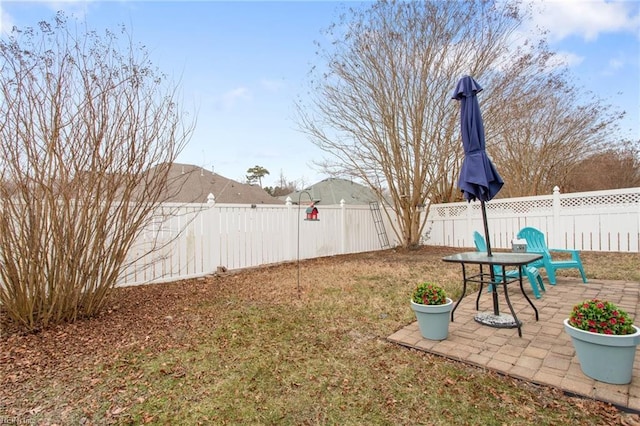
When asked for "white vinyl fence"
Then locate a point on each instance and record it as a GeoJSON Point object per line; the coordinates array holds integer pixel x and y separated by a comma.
{"type": "Point", "coordinates": [193, 240]}
{"type": "Point", "coordinates": [590, 221]}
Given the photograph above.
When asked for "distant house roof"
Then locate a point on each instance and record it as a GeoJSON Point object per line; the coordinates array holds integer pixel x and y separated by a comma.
{"type": "Point", "coordinates": [192, 184]}
{"type": "Point", "coordinates": [332, 190]}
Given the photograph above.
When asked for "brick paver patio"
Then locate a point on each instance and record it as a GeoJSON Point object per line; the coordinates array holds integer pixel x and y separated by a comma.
{"type": "Point", "coordinates": [544, 354]}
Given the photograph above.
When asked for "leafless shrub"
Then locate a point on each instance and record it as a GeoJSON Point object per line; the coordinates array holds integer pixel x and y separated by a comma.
{"type": "Point", "coordinates": [83, 120]}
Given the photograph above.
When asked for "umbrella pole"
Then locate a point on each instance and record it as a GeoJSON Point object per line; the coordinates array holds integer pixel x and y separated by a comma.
{"type": "Point", "coordinates": [494, 293]}
{"type": "Point", "coordinates": [486, 228]}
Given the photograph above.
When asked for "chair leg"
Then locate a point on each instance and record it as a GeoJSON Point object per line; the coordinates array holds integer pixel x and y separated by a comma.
{"type": "Point", "coordinates": [584, 277]}
{"type": "Point", "coordinates": [551, 274]}
{"type": "Point", "coordinates": [533, 282]}
{"type": "Point", "coordinates": [540, 282]}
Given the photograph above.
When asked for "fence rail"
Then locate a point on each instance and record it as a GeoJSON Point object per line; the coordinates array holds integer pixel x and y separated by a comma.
{"type": "Point", "coordinates": [590, 221]}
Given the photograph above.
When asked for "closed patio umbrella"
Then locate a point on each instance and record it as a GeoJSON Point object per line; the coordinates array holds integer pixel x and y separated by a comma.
{"type": "Point", "coordinates": [479, 178]}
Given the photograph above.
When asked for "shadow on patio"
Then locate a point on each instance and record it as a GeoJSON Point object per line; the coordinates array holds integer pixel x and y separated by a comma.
{"type": "Point", "coordinates": [544, 354]}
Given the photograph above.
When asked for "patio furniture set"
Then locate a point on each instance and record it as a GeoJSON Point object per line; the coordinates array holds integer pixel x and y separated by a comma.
{"type": "Point", "coordinates": [506, 268]}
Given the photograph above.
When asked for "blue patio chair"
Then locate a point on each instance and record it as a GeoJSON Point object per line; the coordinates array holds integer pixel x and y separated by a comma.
{"type": "Point", "coordinates": [537, 244]}
{"type": "Point", "coordinates": [531, 272]}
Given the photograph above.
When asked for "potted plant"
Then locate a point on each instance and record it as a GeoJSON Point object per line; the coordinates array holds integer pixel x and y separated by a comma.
{"type": "Point", "coordinates": [432, 308]}
{"type": "Point", "coordinates": [605, 340]}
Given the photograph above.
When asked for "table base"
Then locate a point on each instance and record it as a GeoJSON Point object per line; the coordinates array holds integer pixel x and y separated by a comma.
{"type": "Point", "coordinates": [497, 321]}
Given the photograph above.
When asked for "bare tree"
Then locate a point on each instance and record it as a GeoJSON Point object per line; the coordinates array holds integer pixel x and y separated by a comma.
{"type": "Point", "coordinates": [610, 169]}
{"type": "Point", "coordinates": [540, 126]}
{"type": "Point", "coordinates": [84, 117]}
{"type": "Point", "coordinates": [283, 186]}
{"type": "Point", "coordinates": [381, 105]}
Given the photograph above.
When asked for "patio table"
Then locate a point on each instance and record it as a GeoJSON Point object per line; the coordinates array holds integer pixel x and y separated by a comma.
{"type": "Point", "coordinates": [502, 260]}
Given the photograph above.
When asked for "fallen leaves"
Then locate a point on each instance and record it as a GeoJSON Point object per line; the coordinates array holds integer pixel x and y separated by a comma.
{"type": "Point", "coordinates": [91, 369]}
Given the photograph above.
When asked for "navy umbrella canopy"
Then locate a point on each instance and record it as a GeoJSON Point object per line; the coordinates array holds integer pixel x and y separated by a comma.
{"type": "Point", "coordinates": [479, 178]}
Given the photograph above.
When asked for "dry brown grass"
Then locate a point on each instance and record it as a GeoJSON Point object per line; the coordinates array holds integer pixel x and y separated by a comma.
{"type": "Point", "coordinates": [262, 347]}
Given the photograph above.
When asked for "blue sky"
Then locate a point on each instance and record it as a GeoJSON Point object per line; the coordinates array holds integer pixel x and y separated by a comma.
{"type": "Point", "coordinates": [242, 64]}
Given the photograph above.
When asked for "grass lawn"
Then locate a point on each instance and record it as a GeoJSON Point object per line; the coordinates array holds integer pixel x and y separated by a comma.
{"type": "Point", "coordinates": [261, 346]}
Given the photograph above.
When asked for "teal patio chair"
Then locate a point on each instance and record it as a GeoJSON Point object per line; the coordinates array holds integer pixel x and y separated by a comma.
{"type": "Point", "coordinates": [531, 272]}
{"type": "Point", "coordinates": [537, 244]}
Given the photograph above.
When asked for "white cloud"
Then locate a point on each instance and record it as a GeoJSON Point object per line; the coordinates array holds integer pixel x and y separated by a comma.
{"type": "Point", "coordinates": [585, 18]}
{"type": "Point", "coordinates": [78, 9]}
{"type": "Point", "coordinates": [6, 22]}
{"type": "Point", "coordinates": [616, 64]}
{"type": "Point", "coordinates": [569, 59]}
{"type": "Point", "coordinates": [232, 97]}
{"type": "Point", "coordinates": [272, 85]}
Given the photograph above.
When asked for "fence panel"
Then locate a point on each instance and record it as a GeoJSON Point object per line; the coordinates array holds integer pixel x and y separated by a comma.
{"type": "Point", "coordinates": [607, 221]}
{"type": "Point", "coordinates": [359, 227]}
{"type": "Point", "coordinates": [174, 244]}
{"type": "Point", "coordinates": [593, 221]}
{"type": "Point", "coordinates": [184, 241]}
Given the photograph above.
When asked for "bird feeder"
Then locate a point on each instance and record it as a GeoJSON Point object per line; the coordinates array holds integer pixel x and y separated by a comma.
{"type": "Point", "coordinates": [312, 212]}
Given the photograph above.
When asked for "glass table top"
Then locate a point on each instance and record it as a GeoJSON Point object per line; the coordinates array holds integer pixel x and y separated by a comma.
{"type": "Point", "coordinates": [481, 258]}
